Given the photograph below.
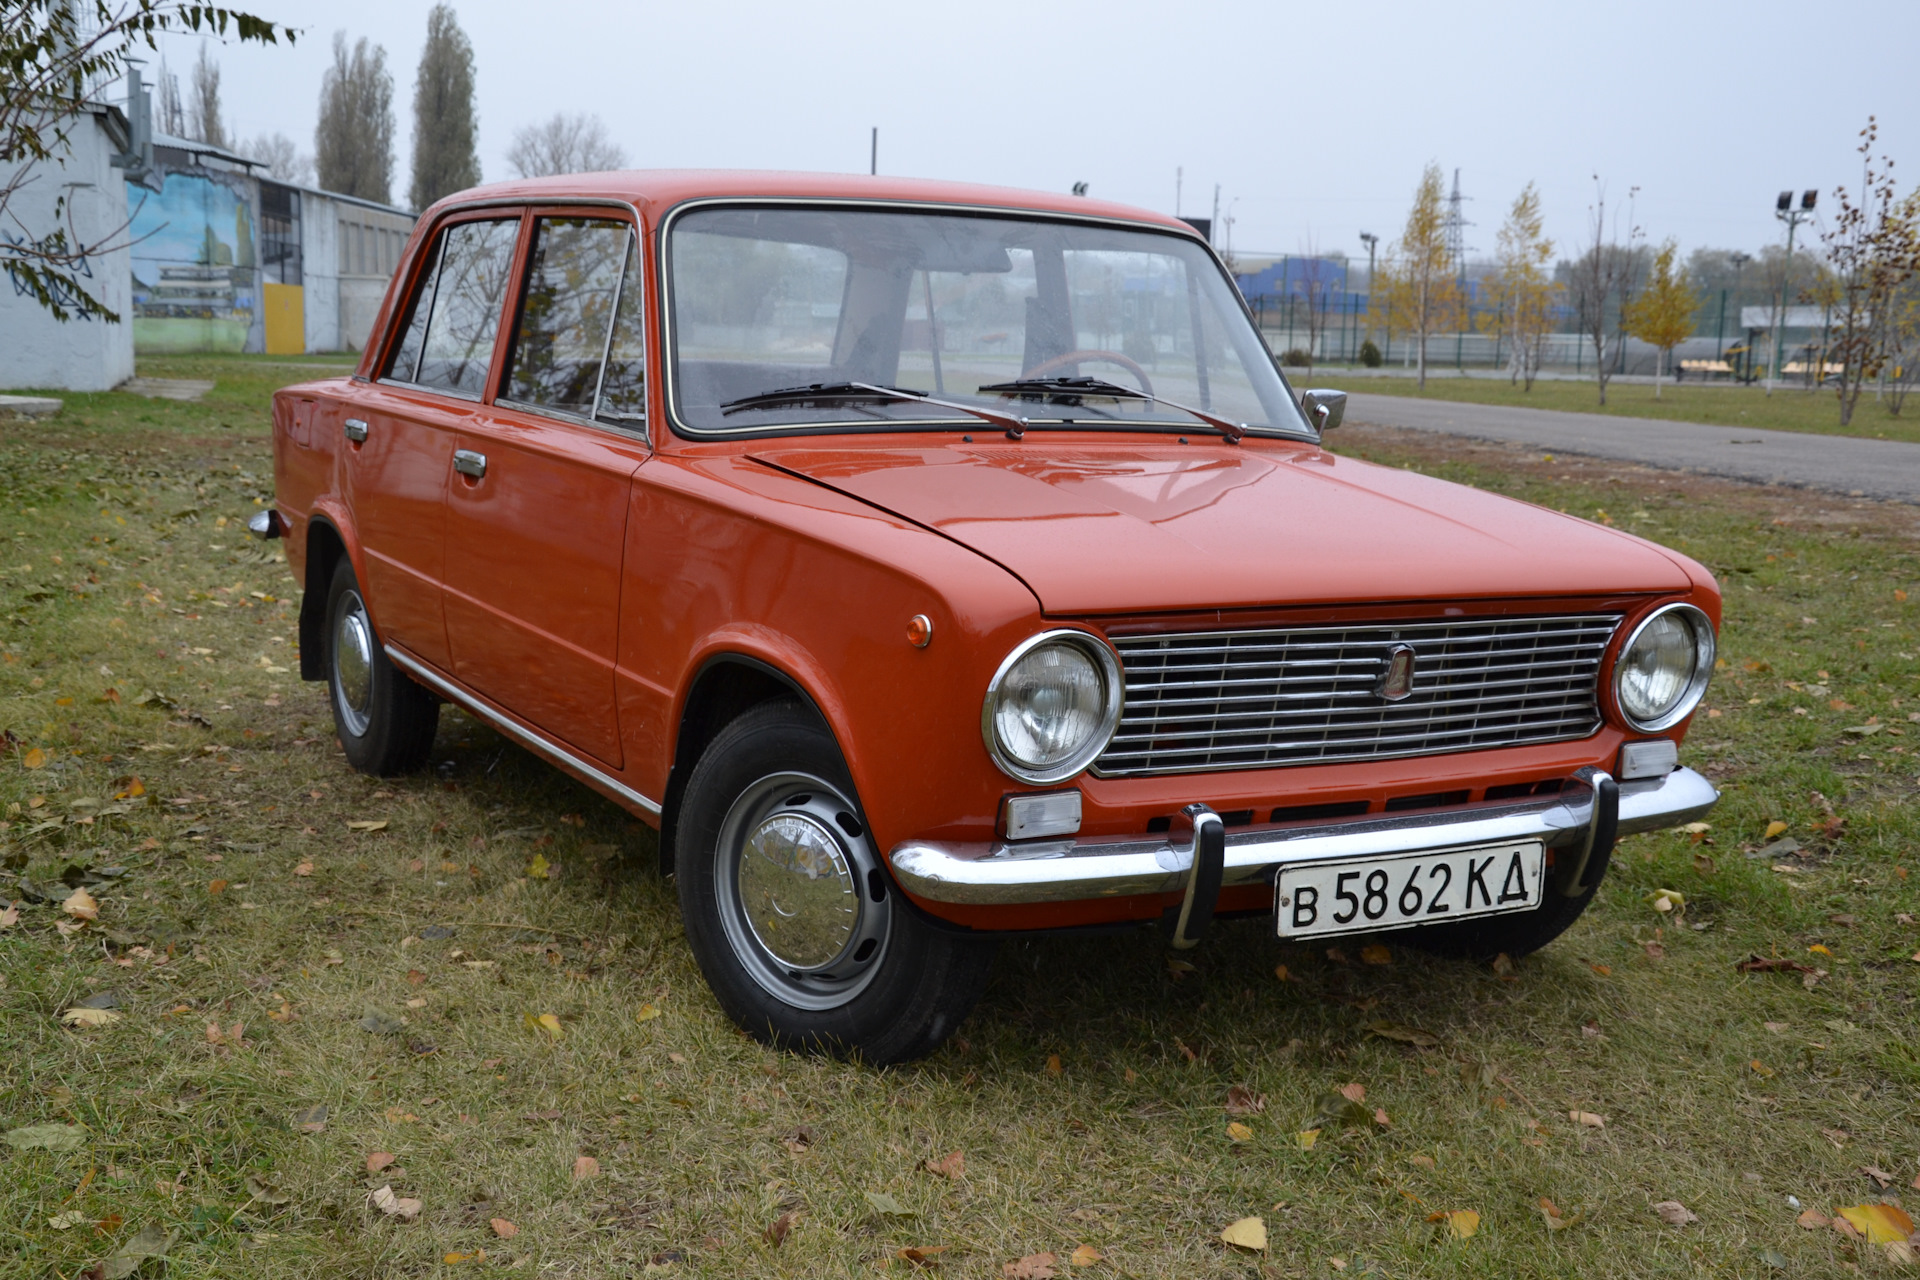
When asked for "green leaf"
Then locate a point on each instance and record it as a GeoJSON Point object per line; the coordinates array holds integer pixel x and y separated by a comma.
{"type": "Point", "coordinates": [884, 1203]}
{"type": "Point", "coordinates": [150, 1242]}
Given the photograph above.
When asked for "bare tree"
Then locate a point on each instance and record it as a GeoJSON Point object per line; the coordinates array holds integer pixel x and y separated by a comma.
{"type": "Point", "coordinates": [444, 158]}
{"type": "Point", "coordinates": [353, 141]}
{"type": "Point", "coordinates": [283, 159]}
{"type": "Point", "coordinates": [1873, 250]}
{"type": "Point", "coordinates": [564, 144]}
{"type": "Point", "coordinates": [173, 114]}
{"type": "Point", "coordinates": [1316, 290]}
{"type": "Point", "coordinates": [50, 63]}
{"type": "Point", "coordinates": [203, 111]}
{"type": "Point", "coordinates": [1597, 276]}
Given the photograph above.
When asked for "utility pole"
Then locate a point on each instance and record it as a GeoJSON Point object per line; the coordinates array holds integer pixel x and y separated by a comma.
{"type": "Point", "coordinates": [1370, 240]}
{"type": "Point", "coordinates": [1783, 210]}
{"type": "Point", "coordinates": [873, 155]}
{"type": "Point", "coordinates": [1738, 260]}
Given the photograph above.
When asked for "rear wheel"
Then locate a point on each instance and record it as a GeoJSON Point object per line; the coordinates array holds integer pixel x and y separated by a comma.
{"type": "Point", "coordinates": [1523, 932]}
{"type": "Point", "coordinates": [385, 721]}
{"type": "Point", "coordinates": [802, 937]}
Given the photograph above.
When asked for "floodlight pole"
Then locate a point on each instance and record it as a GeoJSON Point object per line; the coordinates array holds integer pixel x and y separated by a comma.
{"type": "Point", "coordinates": [1785, 212]}
{"type": "Point", "coordinates": [1370, 240]}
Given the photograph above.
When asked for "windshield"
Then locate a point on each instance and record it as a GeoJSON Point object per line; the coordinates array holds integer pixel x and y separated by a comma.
{"type": "Point", "coordinates": [794, 318]}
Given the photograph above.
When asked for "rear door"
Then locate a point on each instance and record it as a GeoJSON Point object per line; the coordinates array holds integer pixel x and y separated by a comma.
{"type": "Point", "coordinates": [399, 433]}
{"type": "Point", "coordinates": [537, 507]}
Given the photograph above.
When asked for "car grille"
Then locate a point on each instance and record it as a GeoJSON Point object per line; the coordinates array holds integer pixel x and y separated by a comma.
{"type": "Point", "coordinates": [1211, 700]}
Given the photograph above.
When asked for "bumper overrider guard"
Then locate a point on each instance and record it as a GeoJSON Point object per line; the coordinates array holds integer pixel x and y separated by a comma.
{"type": "Point", "coordinates": [1200, 856]}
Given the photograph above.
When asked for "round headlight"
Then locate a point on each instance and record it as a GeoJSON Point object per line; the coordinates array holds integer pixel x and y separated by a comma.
{"type": "Point", "coordinates": [1664, 668]}
{"type": "Point", "coordinates": [1052, 706]}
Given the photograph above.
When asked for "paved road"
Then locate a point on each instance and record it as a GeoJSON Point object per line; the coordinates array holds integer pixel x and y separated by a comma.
{"type": "Point", "coordinates": [1887, 469]}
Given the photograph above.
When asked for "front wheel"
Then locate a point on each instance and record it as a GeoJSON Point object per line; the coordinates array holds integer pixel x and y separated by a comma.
{"type": "Point", "coordinates": [800, 934]}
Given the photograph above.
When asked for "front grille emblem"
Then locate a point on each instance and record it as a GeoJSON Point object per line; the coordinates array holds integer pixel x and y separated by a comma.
{"type": "Point", "coordinates": [1397, 684]}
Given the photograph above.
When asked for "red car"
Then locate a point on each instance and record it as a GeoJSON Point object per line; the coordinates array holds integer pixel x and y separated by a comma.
{"type": "Point", "coordinates": [930, 563]}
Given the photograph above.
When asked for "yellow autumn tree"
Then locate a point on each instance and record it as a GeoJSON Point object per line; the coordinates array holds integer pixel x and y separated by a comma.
{"type": "Point", "coordinates": [1421, 295]}
{"type": "Point", "coordinates": [1661, 315]}
{"type": "Point", "coordinates": [1521, 290]}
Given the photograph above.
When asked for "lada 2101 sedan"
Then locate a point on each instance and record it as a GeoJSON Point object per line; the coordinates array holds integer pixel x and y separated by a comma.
{"type": "Point", "coordinates": [931, 563]}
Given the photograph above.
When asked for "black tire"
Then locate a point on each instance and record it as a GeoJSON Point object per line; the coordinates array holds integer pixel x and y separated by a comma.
{"type": "Point", "coordinates": [384, 720]}
{"type": "Point", "coordinates": [863, 975]}
{"type": "Point", "coordinates": [1523, 932]}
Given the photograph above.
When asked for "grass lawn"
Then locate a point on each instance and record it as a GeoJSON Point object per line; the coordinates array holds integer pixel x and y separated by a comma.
{"type": "Point", "coordinates": [1787, 409]}
{"type": "Point", "coordinates": [319, 985]}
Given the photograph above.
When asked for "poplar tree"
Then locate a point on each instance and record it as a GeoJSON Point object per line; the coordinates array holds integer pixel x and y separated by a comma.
{"type": "Point", "coordinates": [1423, 297]}
{"type": "Point", "coordinates": [444, 154]}
{"type": "Point", "coordinates": [204, 110]}
{"type": "Point", "coordinates": [353, 141]}
{"type": "Point", "coordinates": [1521, 287]}
{"type": "Point", "coordinates": [1661, 315]}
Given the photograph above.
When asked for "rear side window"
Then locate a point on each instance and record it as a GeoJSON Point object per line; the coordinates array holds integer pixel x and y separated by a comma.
{"type": "Point", "coordinates": [574, 286]}
{"type": "Point", "coordinates": [460, 296]}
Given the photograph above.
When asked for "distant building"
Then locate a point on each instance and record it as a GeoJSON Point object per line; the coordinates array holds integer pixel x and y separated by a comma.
{"type": "Point", "coordinates": [195, 249]}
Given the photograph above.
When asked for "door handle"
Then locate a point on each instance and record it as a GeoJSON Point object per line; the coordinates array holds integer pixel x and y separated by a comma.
{"type": "Point", "coordinates": [356, 430]}
{"type": "Point", "coordinates": [469, 463]}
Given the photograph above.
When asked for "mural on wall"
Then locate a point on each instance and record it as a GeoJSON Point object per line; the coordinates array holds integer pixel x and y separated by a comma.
{"type": "Point", "coordinates": [194, 267]}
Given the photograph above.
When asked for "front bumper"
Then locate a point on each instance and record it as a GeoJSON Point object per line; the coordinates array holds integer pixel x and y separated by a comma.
{"type": "Point", "coordinates": [1069, 870]}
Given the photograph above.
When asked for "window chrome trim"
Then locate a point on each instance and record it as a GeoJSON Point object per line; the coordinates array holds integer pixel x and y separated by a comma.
{"type": "Point", "coordinates": [1703, 653]}
{"type": "Point", "coordinates": [664, 311]}
{"type": "Point", "coordinates": [525, 737]}
{"type": "Point", "coordinates": [1102, 654]}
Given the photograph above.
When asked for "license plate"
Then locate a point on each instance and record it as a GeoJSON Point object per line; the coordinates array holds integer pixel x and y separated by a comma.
{"type": "Point", "coordinates": [1368, 895]}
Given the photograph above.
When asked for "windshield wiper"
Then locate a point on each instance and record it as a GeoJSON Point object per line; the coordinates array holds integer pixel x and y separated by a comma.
{"type": "Point", "coordinates": [1073, 389]}
{"type": "Point", "coordinates": [1014, 425]}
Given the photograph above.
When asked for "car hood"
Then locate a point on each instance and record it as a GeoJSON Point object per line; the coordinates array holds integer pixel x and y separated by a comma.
{"type": "Point", "coordinates": [1098, 528]}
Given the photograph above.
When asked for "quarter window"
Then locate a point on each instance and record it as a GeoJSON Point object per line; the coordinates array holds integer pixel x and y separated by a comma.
{"type": "Point", "coordinates": [573, 287]}
{"type": "Point", "coordinates": [623, 392]}
{"type": "Point", "coordinates": [460, 294]}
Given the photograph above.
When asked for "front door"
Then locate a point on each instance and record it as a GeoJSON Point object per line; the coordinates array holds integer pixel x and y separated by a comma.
{"type": "Point", "coordinates": [537, 504]}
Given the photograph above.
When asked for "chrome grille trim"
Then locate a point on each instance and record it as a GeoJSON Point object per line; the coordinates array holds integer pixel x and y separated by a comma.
{"type": "Point", "coordinates": [1204, 701]}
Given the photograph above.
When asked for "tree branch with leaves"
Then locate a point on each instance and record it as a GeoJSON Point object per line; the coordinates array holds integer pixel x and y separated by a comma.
{"type": "Point", "coordinates": [53, 55]}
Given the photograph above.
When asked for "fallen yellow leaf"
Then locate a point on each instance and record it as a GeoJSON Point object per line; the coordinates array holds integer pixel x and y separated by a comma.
{"type": "Point", "coordinates": [455, 1259]}
{"type": "Point", "coordinates": [1374, 953]}
{"type": "Point", "coordinates": [1774, 828]}
{"type": "Point", "coordinates": [1588, 1119]}
{"type": "Point", "coordinates": [1237, 1132]}
{"type": "Point", "coordinates": [367, 824]}
{"type": "Point", "coordinates": [34, 759]}
{"type": "Point", "coordinates": [647, 1013]}
{"type": "Point", "coordinates": [502, 1228]}
{"type": "Point", "coordinates": [216, 886]}
{"type": "Point", "coordinates": [1462, 1223]}
{"type": "Point", "coordinates": [1819, 949]}
{"type": "Point", "coordinates": [547, 1025]}
{"type": "Point", "coordinates": [81, 905]}
{"type": "Point", "coordinates": [1306, 1138]}
{"type": "Point", "coordinates": [1879, 1223]}
{"type": "Point", "coordinates": [1085, 1255]}
{"type": "Point", "coordinates": [1247, 1233]}
{"type": "Point", "coordinates": [1053, 1064]}
{"type": "Point", "coordinates": [89, 1017]}
{"type": "Point", "coordinates": [538, 869]}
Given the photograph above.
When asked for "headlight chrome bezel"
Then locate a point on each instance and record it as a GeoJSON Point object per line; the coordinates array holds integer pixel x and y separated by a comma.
{"type": "Point", "coordinates": [1104, 660]}
{"type": "Point", "coordinates": [1704, 646]}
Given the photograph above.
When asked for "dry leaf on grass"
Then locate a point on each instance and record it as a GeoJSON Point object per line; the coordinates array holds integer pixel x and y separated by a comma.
{"type": "Point", "coordinates": [1879, 1175]}
{"type": "Point", "coordinates": [539, 868]}
{"type": "Point", "coordinates": [1085, 1255]}
{"type": "Point", "coordinates": [546, 1024]}
{"type": "Point", "coordinates": [474, 1255]}
{"type": "Point", "coordinates": [46, 1137]}
{"type": "Point", "coordinates": [367, 824]}
{"type": "Point", "coordinates": [922, 1255]}
{"type": "Point", "coordinates": [1900, 1253]}
{"type": "Point", "coordinates": [886, 1204]}
{"type": "Point", "coordinates": [378, 1160]}
{"type": "Point", "coordinates": [1237, 1132]}
{"type": "Point", "coordinates": [1374, 953]}
{"type": "Point", "coordinates": [778, 1230]}
{"type": "Point", "coordinates": [647, 1013]}
{"type": "Point", "coordinates": [1035, 1266]}
{"type": "Point", "coordinates": [1675, 1214]}
{"type": "Point", "coordinates": [799, 1138]}
{"type": "Point", "coordinates": [952, 1166]}
{"type": "Point", "coordinates": [585, 1167]}
{"type": "Point", "coordinates": [1503, 965]}
{"type": "Point", "coordinates": [81, 905]}
{"type": "Point", "coordinates": [312, 1120]}
{"type": "Point", "coordinates": [1355, 1092]}
{"type": "Point", "coordinates": [1406, 1035]}
{"type": "Point", "coordinates": [1879, 1223]}
{"type": "Point", "coordinates": [1813, 1219]}
{"type": "Point", "coordinates": [1242, 1101]}
{"type": "Point", "coordinates": [399, 1208]}
{"type": "Point", "coordinates": [1053, 1064]}
{"type": "Point", "coordinates": [1247, 1233]}
{"type": "Point", "coordinates": [1587, 1118]}
{"type": "Point", "coordinates": [10, 917]}
{"type": "Point", "coordinates": [1306, 1138]}
{"type": "Point", "coordinates": [34, 759]}
{"type": "Point", "coordinates": [305, 868]}
{"type": "Point", "coordinates": [149, 1242]}
{"type": "Point", "coordinates": [83, 1017]}
{"type": "Point", "coordinates": [1774, 828]}
{"type": "Point", "coordinates": [1462, 1224]}
{"type": "Point", "coordinates": [502, 1228]}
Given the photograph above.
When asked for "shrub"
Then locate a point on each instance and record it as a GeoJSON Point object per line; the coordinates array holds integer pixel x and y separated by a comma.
{"type": "Point", "coordinates": [1296, 358]}
{"type": "Point", "coordinates": [1370, 354]}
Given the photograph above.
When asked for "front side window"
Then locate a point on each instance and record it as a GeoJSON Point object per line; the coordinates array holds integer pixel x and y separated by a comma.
{"type": "Point", "coordinates": [566, 313]}
{"type": "Point", "coordinates": [1066, 324]}
{"type": "Point", "coordinates": [460, 294]}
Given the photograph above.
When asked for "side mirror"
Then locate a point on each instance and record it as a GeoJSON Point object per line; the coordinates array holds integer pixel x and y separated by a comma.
{"type": "Point", "coordinates": [1324, 408]}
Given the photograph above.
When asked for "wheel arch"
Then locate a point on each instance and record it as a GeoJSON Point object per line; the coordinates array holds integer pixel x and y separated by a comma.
{"type": "Point", "coordinates": [725, 686]}
{"type": "Point", "coordinates": [328, 541]}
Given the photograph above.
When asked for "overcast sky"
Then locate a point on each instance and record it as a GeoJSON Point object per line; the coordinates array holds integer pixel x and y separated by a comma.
{"type": "Point", "coordinates": [1314, 119]}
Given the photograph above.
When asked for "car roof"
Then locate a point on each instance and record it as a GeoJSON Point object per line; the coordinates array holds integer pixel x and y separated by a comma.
{"type": "Point", "coordinates": [656, 190]}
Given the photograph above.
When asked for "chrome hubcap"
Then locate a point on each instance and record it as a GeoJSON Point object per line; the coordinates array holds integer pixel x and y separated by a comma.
{"type": "Point", "coordinates": [796, 877]}
{"type": "Point", "coordinates": [353, 665]}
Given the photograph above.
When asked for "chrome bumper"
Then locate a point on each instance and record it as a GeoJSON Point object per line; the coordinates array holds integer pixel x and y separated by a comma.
{"type": "Point", "coordinates": [1068, 870]}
